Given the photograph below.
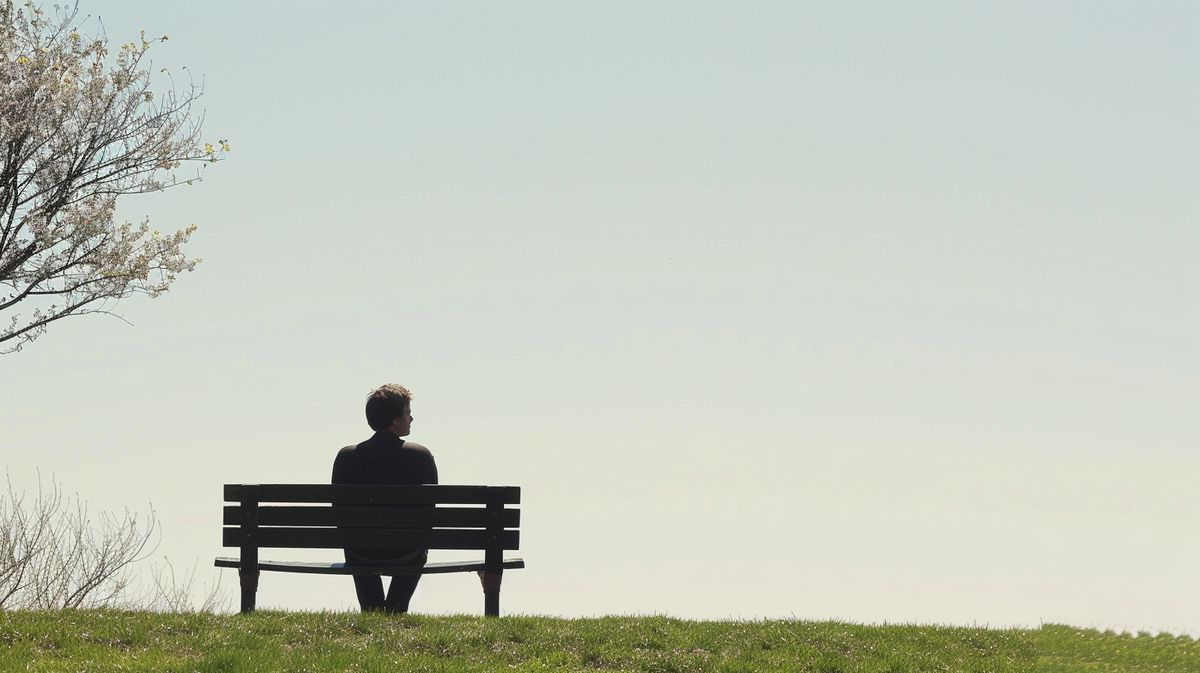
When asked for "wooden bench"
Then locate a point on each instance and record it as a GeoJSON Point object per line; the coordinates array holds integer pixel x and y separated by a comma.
{"type": "Point", "coordinates": [324, 516]}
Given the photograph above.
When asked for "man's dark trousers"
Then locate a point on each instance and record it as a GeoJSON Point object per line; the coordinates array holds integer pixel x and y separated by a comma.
{"type": "Point", "coordinates": [370, 587]}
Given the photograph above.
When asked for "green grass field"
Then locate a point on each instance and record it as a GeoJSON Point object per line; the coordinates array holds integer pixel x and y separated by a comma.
{"type": "Point", "coordinates": [106, 640]}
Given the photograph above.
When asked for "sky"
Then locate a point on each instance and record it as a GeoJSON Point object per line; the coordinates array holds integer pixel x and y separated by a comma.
{"type": "Point", "coordinates": [871, 311]}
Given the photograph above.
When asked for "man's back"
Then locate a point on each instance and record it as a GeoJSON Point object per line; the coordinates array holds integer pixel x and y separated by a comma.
{"type": "Point", "coordinates": [385, 459]}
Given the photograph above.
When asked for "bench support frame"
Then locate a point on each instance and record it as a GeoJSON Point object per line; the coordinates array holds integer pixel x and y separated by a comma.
{"type": "Point", "coordinates": [248, 572]}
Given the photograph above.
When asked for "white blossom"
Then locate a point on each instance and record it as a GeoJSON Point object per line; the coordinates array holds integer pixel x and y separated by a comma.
{"type": "Point", "coordinates": [79, 128]}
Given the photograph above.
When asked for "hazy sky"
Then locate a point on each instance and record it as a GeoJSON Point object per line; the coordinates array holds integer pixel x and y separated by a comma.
{"type": "Point", "coordinates": [867, 311]}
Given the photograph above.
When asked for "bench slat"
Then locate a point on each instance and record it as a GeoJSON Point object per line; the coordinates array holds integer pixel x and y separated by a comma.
{"type": "Point", "coordinates": [343, 569]}
{"type": "Point", "coordinates": [374, 517]}
{"type": "Point", "coordinates": [375, 538]}
{"type": "Point", "coordinates": [359, 494]}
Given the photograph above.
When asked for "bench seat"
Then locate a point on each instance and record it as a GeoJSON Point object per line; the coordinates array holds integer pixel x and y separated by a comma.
{"type": "Point", "coordinates": [318, 568]}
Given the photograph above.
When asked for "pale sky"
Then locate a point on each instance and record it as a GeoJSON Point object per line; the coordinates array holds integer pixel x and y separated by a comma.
{"type": "Point", "coordinates": [865, 311]}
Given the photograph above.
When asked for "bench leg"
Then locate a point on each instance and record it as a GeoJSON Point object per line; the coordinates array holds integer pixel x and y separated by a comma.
{"type": "Point", "coordinates": [491, 593]}
{"type": "Point", "coordinates": [249, 581]}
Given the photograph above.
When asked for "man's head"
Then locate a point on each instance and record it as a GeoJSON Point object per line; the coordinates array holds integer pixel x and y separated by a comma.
{"type": "Point", "coordinates": [390, 408]}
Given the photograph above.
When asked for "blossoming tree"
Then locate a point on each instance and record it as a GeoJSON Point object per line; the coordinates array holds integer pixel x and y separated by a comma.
{"type": "Point", "coordinates": [80, 126]}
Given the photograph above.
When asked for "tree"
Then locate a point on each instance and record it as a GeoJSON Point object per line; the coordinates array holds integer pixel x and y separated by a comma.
{"type": "Point", "coordinates": [80, 126]}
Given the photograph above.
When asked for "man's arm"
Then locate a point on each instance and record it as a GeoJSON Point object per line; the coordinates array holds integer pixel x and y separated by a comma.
{"type": "Point", "coordinates": [432, 473]}
{"type": "Point", "coordinates": [418, 465]}
{"type": "Point", "coordinates": [339, 468]}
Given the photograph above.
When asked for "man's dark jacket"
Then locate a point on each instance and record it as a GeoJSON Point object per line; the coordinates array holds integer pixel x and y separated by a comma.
{"type": "Point", "coordinates": [384, 459]}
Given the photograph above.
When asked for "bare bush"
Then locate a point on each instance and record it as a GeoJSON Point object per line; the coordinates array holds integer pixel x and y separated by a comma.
{"type": "Point", "coordinates": [54, 554]}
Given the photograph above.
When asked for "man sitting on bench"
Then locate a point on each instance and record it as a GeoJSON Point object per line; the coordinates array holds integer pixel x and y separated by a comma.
{"type": "Point", "coordinates": [386, 459]}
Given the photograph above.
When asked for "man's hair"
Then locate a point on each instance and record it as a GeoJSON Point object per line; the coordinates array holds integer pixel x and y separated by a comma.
{"type": "Point", "coordinates": [385, 403]}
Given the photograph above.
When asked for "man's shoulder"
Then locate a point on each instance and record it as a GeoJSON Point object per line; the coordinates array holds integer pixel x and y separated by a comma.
{"type": "Point", "coordinates": [345, 459]}
{"type": "Point", "coordinates": [419, 448]}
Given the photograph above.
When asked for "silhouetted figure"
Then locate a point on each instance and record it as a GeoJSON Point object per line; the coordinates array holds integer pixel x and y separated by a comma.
{"type": "Point", "coordinates": [386, 459]}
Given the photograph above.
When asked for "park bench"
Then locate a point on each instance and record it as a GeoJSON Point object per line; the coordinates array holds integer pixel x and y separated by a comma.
{"type": "Point", "coordinates": [324, 516]}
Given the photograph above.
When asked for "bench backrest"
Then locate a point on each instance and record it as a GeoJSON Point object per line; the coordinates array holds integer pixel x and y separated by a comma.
{"type": "Point", "coordinates": [362, 516]}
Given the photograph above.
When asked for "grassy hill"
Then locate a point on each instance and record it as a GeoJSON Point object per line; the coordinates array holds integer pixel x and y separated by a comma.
{"type": "Point", "coordinates": [106, 640]}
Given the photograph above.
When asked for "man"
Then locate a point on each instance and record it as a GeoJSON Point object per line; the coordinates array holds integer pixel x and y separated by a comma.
{"type": "Point", "coordinates": [385, 458]}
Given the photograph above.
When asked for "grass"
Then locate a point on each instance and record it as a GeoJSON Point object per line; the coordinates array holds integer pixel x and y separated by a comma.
{"type": "Point", "coordinates": [107, 640]}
